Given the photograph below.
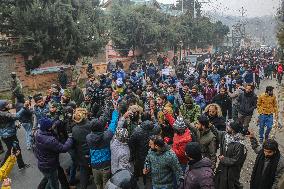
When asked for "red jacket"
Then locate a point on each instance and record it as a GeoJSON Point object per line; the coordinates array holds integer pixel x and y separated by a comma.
{"type": "Point", "coordinates": [179, 143]}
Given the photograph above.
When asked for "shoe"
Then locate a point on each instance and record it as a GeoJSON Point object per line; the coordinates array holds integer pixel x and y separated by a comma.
{"type": "Point", "coordinates": [29, 148]}
{"type": "Point", "coordinates": [24, 167]}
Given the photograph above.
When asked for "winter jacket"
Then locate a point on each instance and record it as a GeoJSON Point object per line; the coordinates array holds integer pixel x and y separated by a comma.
{"type": "Point", "coordinates": [120, 156]}
{"type": "Point", "coordinates": [139, 140]}
{"type": "Point", "coordinates": [99, 144]}
{"type": "Point", "coordinates": [27, 116]}
{"type": "Point", "coordinates": [77, 96]}
{"type": "Point", "coordinates": [7, 123]}
{"type": "Point", "coordinates": [7, 167]}
{"type": "Point", "coordinates": [280, 168]}
{"type": "Point", "coordinates": [48, 148]}
{"type": "Point", "coordinates": [79, 132]}
{"type": "Point", "coordinates": [199, 176]}
{"type": "Point", "coordinates": [190, 114]}
{"type": "Point", "coordinates": [234, 96]}
{"type": "Point", "coordinates": [267, 104]}
{"type": "Point", "coordinates": [229, 168]}
{"type": "Point", "coordinates": [199, 100]}
{"type": "Point", "coordinates": [247, 103]}
{"type": "Point", "coordinates": [179, 143]}
{"type": "Point", "coordinates": [219, 122]}
{"type": "Point", "coordinates": [248, 77]}
{"type": "Point", "coordinates": [164, 167]}
{"type": "Point", "coordinates": [215, 77]}
{"type": "Point", "coordinates": [208, 145]}
{"type": "Point", "coordinates": [39, 113]}
{"type": "Point", "coordinates": [225, 103]}
{"type": "Point", "coordinates": [209, 93]}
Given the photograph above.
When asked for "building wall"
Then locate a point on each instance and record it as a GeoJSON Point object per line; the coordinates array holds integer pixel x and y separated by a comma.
{"type": "Point", "coordinates": [7, 65]}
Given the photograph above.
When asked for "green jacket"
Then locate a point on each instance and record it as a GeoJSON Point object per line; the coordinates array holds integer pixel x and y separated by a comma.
{"type": "Point", "coordinates": [77, 96]}
{"type": "Point", "coordinates": [163, 166]}
{"type": "Point", "coordinates": [190, 114]}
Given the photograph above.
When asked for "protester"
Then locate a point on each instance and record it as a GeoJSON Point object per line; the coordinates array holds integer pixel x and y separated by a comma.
{"type": "Point", "coordinates": [266, 106]}
{"type": "Point", "coordinates": [199, 173]}
{"type": "Point", "coordinates": [8, 131]}
{"type": "Point", "coordinates": [232, 157]}
{"type": "Point", "coordinates": [247, 103]}
{"type": "Point", "coordinates": [269, 164]}
{"type": "Point", "coordinates": [47, 152]}
{"type": "Point", "coordinates": [162, 164]}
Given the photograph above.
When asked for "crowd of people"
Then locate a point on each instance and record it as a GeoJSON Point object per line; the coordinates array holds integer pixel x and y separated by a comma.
{"type": "Point", "coordinates": [166, 124]}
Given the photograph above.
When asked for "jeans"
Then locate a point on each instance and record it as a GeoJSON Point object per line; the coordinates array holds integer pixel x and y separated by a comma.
{"type": "Point", "coordinates": [52, 179]}
{"type": "Point", "coordinates": [265, 120]}
{"type": "Point", "coordinates": [9, 144]}
{"type": "Point", "coordinates": [28, 129]}
{"type": "Point", "coordinates": [101, 177]}
{"type": "Point", "coordinates": [235, 112]}
{"type": "Point", "coordinates": [160, 187]}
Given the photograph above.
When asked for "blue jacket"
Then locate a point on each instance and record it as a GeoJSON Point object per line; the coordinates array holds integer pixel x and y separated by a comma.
{"type": "Point", "coordinates": [99, 143]}
{"type": "Point", "coordinates": [7, 123]}
{"type": "Point", "coordinates": [40, 112]}
{"type": "Point", "coordinates": [215, 77]}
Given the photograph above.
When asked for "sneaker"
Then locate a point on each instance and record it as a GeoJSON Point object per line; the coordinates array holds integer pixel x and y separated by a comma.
{"type": "Point", "coordinates": [24, 167]}
{"type": "Point", "coordinates": [29, 148]}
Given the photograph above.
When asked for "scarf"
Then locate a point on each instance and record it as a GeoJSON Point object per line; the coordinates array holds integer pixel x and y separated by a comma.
{"type": "Point", "coordinates": [233, 138]}
{"type": "Point", "coordinates": [265, 180]}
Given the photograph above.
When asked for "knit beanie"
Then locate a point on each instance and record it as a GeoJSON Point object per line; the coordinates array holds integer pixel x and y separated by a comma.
{"type": "Point", "coordinates": [97, 126]}
{"type": "Point", "coordinates": [45, 124]}
{"type": "Point", "coordinates": [179, 124]}
{"type": "Point", "coordinates": [193, 150]}
{"type": "Point", "coordinates": [121, 135]}
{"type": "Point", "coordinates": [3, 104]}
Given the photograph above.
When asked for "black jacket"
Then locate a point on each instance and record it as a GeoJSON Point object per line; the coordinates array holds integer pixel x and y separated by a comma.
{"type": "Point", "coordinates": [80, 131]}
{"type": "Point", "coordinates": [225, 102]}
{"type": "Point", "coordinates": [247, 102]}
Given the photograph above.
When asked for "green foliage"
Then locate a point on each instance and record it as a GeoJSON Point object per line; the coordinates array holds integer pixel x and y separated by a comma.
{"type": "Point", "coordinates": [136, 27]}
{"type": "Point", "coordinates": [55, 29]}
{"type": "Point", "coordinates": [145, 28]}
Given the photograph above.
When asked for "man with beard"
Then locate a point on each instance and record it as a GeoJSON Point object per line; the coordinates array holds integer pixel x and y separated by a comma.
{"type": "Point", "coordinates": [225, 102]}
{"type": "Point", "coordinates": [162, 163]}
{"type": "Point", "coordinates": [269, 164]}
{"type": "Point", "coordinates": [266, 107]}
{"type": "Point", "coordinates": [207, 139]}
{"type": "Point", "coordinates": [232, 157]}
{"type": "Point", "coordinates": [247, 102]}
{"type": "Point", "coordinates": [198, 98]}
{"type": "Point", "coordinates": [214, 113]}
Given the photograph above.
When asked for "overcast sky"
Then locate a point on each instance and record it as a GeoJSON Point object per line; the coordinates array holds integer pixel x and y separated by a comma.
{"type": "Point", "coordinates": [253, 8]}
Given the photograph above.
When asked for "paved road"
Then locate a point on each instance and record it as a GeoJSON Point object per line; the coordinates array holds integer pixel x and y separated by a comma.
{"type": "Point", "coordinates": [29, 178]}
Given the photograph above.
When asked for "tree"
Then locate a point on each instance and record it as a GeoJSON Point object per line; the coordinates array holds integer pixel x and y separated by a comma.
{"type": "Point", "coordinates": [62, 30]}
{"type": "Point", "coordinates": [136, 27]}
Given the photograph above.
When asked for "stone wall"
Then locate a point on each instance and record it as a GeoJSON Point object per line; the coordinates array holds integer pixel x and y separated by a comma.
{"type": "Point", "coordinates": [7, 65]}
